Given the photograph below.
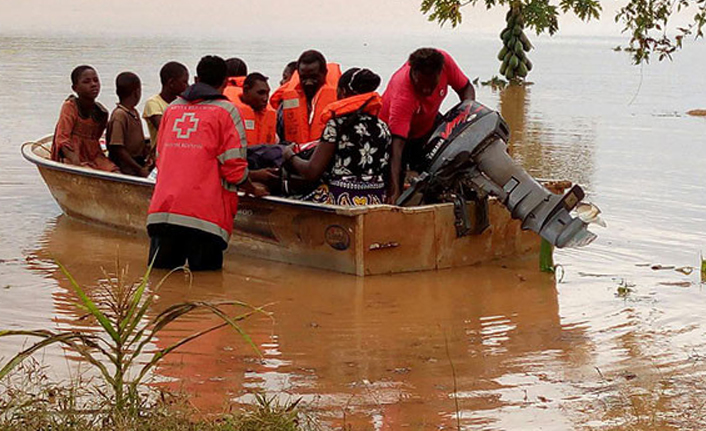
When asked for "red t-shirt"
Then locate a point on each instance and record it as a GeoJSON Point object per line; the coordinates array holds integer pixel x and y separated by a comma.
{"type": "Point", "coordinates": [410, 115]}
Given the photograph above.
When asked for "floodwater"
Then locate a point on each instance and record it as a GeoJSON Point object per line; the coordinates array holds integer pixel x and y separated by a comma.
{"type": "Point", "coordinates": [611, 344]}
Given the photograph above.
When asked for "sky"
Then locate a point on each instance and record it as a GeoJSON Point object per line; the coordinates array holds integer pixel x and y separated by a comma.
{"type": "Point", "coordinates": [257, 17]}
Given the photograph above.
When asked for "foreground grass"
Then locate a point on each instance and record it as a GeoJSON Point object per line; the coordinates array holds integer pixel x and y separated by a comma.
{"type": "Point", "coordinates": [28, 401]}
{"type": "Point", "coordinates": [119, 398]}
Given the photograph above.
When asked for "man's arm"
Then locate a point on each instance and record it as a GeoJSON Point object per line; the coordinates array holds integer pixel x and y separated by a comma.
{"type": "Point", "coordinates": [155, 120]}
{"type": "Point", "coordinates": [394, 188]}
{"type": "Point", "coordinates": [467, 92]}
{"type": "Point", "coordinates": [314, 168]}
{"type": "Point", "coordinates": [62, 135]}
{"type": "Point", "coordinates": [457, 79]}
{"type": "Point", "coordinates": [233, 164]}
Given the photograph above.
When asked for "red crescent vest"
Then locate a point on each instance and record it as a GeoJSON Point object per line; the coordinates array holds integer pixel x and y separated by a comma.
{"type": "Point", "coordinates": [260, 127]}
{"type": "Point", "coordinates": [301, 126]}
{"type": "Point", "coordinates": [201, 158]}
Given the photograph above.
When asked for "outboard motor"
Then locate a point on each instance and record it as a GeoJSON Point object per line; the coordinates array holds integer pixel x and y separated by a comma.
{"type": "Point", "coordinates": [467, 158]}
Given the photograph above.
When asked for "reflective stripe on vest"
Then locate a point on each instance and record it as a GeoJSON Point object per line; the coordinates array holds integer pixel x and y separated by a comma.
{"type": "Point", "coordinates": [187, 221]}
{"type": "Point", "coordinates": [290, 103]}
{"type": "Point", "coordinates": [233, 153]}
{"type": "Point", "coordinates": [235, 115]}
{"type": "Point", "coordinates": [260, 127]}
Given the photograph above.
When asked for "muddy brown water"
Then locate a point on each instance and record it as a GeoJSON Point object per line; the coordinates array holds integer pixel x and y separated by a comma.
{"type": "Point", "coordinates": [513, 348]}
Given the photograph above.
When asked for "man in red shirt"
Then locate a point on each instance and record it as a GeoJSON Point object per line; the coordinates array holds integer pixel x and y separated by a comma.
{"type": "Point", "coordinates": [201, 158]}
{"type": "Point", "coordinates": [410, 107]}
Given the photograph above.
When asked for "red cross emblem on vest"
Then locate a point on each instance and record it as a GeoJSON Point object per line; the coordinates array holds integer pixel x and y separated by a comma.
{"type": "Point", "coordinates": [186, 125]}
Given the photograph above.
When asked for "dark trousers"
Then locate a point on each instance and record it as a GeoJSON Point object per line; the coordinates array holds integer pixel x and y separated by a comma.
{"type": "Point", "coordinates": [414, 155]}
{"type": "Point", "coordinates": [175, 245]}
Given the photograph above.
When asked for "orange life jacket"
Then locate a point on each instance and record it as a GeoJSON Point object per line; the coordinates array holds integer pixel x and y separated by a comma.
{"type": "Point", "coordinates": [276, 97]}
{"type": "Point", "coordinates": [234, 87]}
{"type": "Point", "coordinates": [301, 126]}
{"type": "Point", "coordinates": [371, 103]}
{"type": "Point", "coordinates": [260, 127]}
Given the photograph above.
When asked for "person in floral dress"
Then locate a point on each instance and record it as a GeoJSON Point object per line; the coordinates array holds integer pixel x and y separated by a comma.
{"type": "Point", "coordinates": [352, 157]}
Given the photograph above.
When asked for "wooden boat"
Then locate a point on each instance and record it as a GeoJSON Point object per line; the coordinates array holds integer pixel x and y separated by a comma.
{"type": "Point", "coordinates": [368, 240]}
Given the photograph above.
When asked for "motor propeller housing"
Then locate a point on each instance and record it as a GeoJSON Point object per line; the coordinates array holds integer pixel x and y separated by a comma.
{"type": "Point", "coordinates": [469, 150]}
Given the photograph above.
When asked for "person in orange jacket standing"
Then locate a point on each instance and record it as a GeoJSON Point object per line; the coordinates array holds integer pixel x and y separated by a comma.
{"type": "Point", "coordinates": [201, 157]}
{"type": "Point", "coordinates": [303, 99]}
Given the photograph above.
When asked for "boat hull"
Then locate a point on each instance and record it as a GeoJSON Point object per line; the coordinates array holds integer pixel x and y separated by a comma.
{"type": "Point", "coordinates": [369, 240]}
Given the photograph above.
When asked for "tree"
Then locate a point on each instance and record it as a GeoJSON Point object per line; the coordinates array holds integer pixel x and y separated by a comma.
{"type": "Point", "coordinates": [646, 21]}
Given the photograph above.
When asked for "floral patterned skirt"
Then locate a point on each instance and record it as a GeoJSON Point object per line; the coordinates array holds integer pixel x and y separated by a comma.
{"type": "Point", "coordinates": [349, 193]}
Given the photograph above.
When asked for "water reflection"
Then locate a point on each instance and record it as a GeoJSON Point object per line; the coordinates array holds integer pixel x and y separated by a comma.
{"type": "Point", "coordinates": [547, 150]}
{"type": "Point", "coordinates": [377, 350]}
{"type": "Point", "coordinates": [342, 342]}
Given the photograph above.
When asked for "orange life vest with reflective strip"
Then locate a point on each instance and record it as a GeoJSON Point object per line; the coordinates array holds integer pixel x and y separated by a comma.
{"type": "Point", "coordinates": [260, 127]}
{"type": "Point", "coordinates": [370, 102]}
{"type": "Point", "coordinates": [301, 126]}
{"type": "Point", "coordinates": [234, 88]}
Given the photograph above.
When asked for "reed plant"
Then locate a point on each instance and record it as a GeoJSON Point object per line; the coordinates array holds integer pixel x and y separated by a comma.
{"type": "Point", "coordinates": [118, 351]}
{"type": "Point", "coordinates": [546, 257]}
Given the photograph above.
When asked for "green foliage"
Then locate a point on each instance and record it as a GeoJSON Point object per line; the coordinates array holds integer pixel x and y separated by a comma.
{"type": "Point", "coordinates": [645, 21]}
{"type": "Point", "coordinates": [540, 15]}
{"type": "Point", "coordinates": [268, 415]}
{"type": "Point", "coordinates": [30, 402]}
{"type": "Point", "coordinates": [546, 257]}
{"type": "Point", "coordinates": [496, 83]}
{"type": "Point", "coordinates": [126, 333]}
{"type": "Point", "coordinates": [444, 11]}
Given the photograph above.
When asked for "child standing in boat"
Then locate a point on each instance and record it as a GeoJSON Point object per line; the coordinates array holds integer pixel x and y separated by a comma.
{"type": "Point", "coordinates": [81, 124]}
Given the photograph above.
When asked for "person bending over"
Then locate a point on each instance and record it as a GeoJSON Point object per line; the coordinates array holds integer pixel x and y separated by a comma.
{"type": "Point", "coordinates": [352, 156]}
{"type": "Point", "coordinates": [81, 124]}
{"type": "Point", "coordinates": [124, 136]}
{"type": "Point", "coordinates": [410, 106]}
{"type": "Point", "coordinates": [202, 149]}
